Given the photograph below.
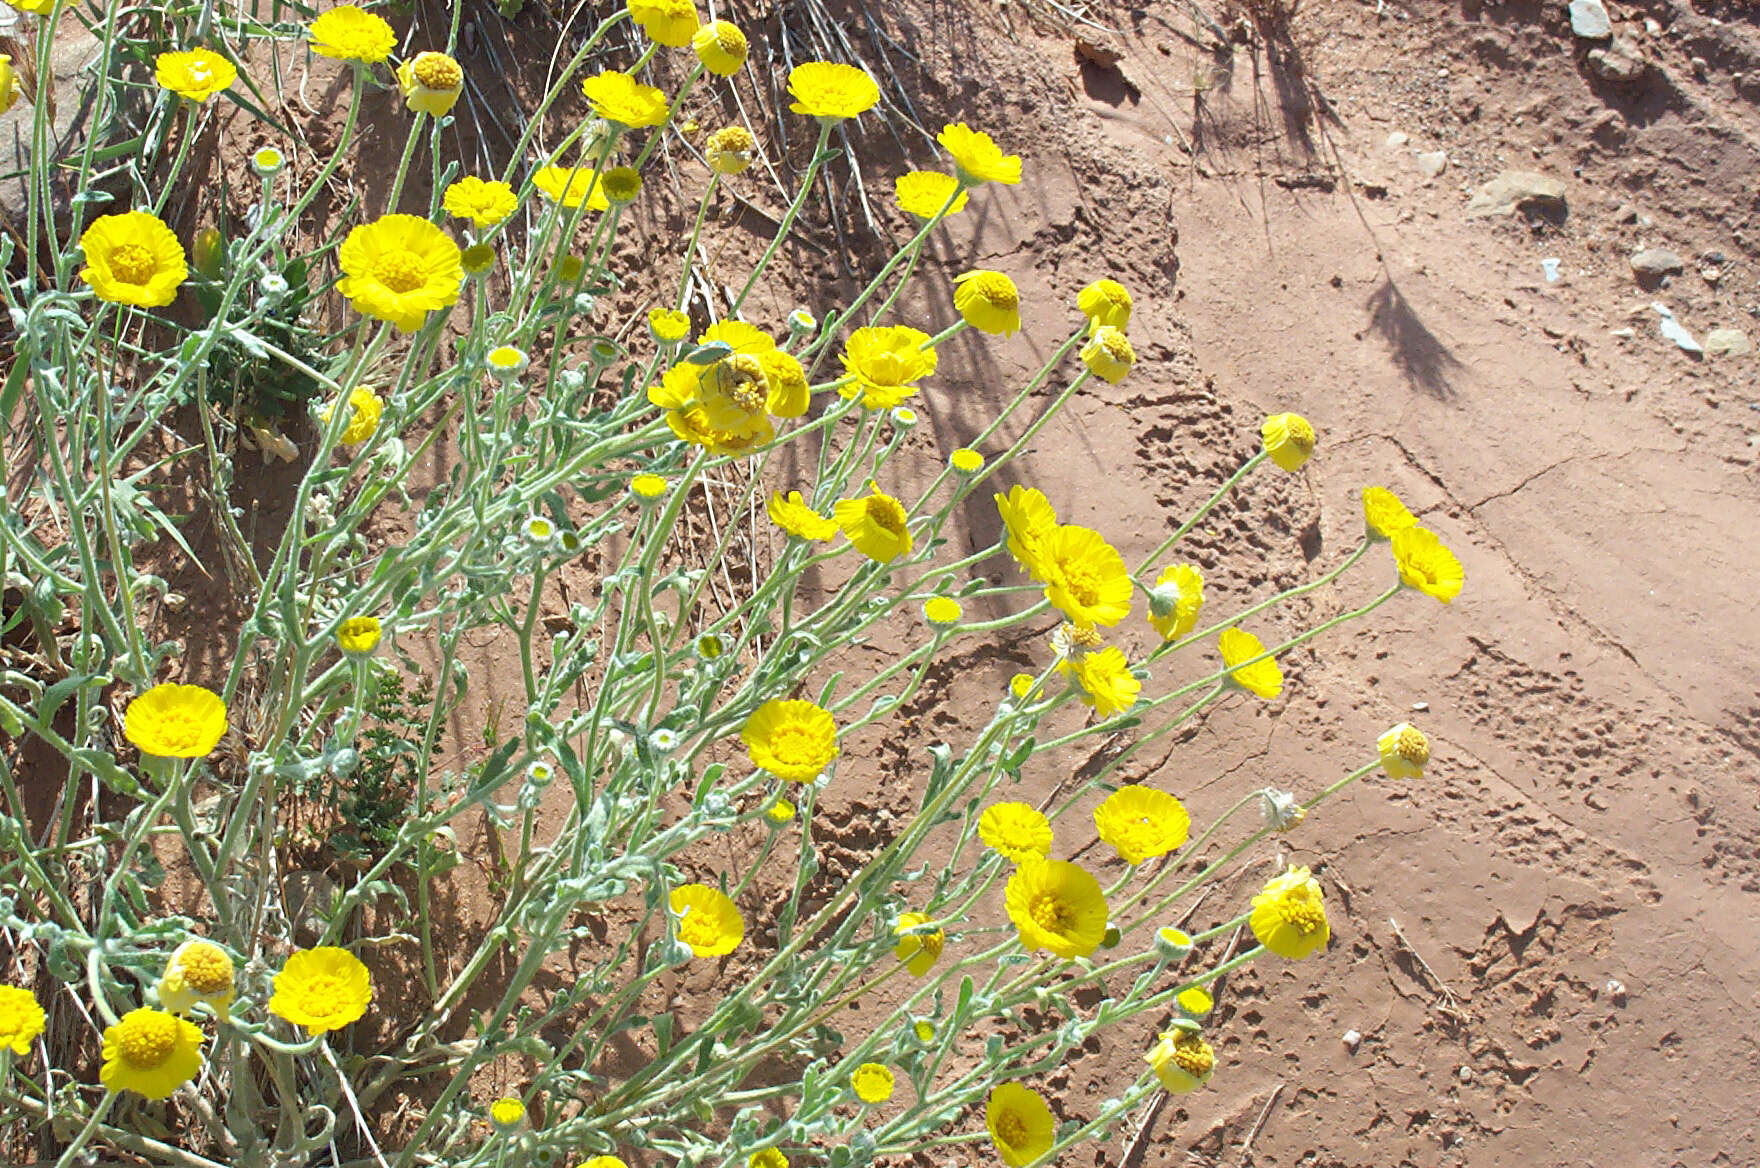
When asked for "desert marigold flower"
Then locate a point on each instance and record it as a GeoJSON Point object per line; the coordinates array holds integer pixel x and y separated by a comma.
{"type": "Point", "coordinates": [1384, 516]}
{"type": "Point", "coordinates": [506, 362]}
{"type": "Point", "coordinates": [431, 83]}
{"type": "Point", "coordinates": [484, 202]}
{"type": "Point", "coordinates": [268, 162]}
{"type": "Point", "coordinates": [365, 408]}
{"type": "Point", "coordinates": [571, 186]}
{"type": "Point", "coordinates": [133, 258]}
{"type": "Point", "coordinates": [1195, 1002]}
{"type": "Point", "coordinates": [175, 721]}
{"type": "Point", "coordinates": [831, 92]}
{"type": "Point", "coordinates": [539, 530]}
{"type": "Point", "coordinates": [726, 404]}
{"type": "Point", "coordinates": [35, 7]}
{"type": "Point", "coordinates": [1262, 678]}
{"type": "Point", "coordinates": [648, 487]}
{"type": "Point", "coordinates": [621, 99]}
{"type": "Point", "coordinates": [21, 1019]}
{"type": "Point", "coordinates": [721, 47]}
{"type": "Point", "coordinates": [884, 364]}
{"type": "Point", "coordinates": [668, 326]}
{"type": "Point", "coordinates": [781, 812]}
{"type": "Point", "coordinates": [966, 461]}
{"type": "Point", "coordinates": [1085, 576]}
{"type": "Point", "coordinates": [348, 33]}
{"type": "Point", "coordinates": [767, 1158]}
{"type": "Point", "coordinates": [1031, 521]}
{"type": "Point", "coordinates": [918, 951]}
{"type": "Point", "coordinates": [1105, 679]}
{"type": "Point", "coordinates": [875, 524]}
{"type": "Point", "coordinates": [603, 1162]}
{"type": "Point", "coordinates": [792, 739]}
{"type": "Point", "coordinates": [1404, 751]}
{"type": "Point", "coordinates": [872, 1082]}
{"type": "Point", "coordinates": [1425, 563]}
{"type": "Point", "coordinates": [1108, 354]}
{"type": "Point", "coordinates": [197, 74]}
{"type": "Point", "coordinates": [399, 268]}
{"type": "Point", "coordinates": [942, 611]}
{"type": "Point", "coordinates": [1176, 600]}
{"type": "Point", "coordinates": [667, 22]}
{"type": "Point", "coordinates": [1289, 439]}
{"type": "Point", "coordinates": [988, 301]}
{"type": "Point", "coordinates": [10, 91]}
{"type": "Point", "coordinates": [1106, 302]}
{"type": "Point", "coordinates": [359, 635]}
{"type": "Point", "coordinates": [709, 921]}
{"type": "Point", "coordinates": [1018, 831]}
{"type": "Point", "coordinates": [322, 989]}
{"type": "Point", "coordinates": [1142, 822]}
{"type": "Point", "coordinates": [1172, 944]}
{"type": "Point", "coordinates": [199, 971]}
{"type": "Point", "coordinates": [730, 149]}
{"type": "Point", "coordinates": [1020, 685]}
{"type": "Point", "coordinates": [795, 516]}
{"type": "Point", "coordinates": [977, 157]}
{"type": "Point", "coordinates": [1182, 1060]}
{"type": "Point", "coordinates": [924, 193]}
{"type": "Point", "coordinates": [1289, 917]}
{"type": "Point", "coordinates": [507, 1115]}
{"type": "Point", "coordinates": [477, 259]}
{"type": "Point", "coordinates": [151, 1053]}
{"type": "Point", "coordinates": [1020, 1124]}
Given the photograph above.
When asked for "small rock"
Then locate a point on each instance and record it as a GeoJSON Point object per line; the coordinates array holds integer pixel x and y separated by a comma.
{"type": "Point", "coordinates": [1396, 139]}
{"type": "Point", "coordinates": [1621, 62]}
{"type": "Point", "coordinates": [1700, 67]}
{"type": "Point", "coordinates": [1352, 1040]}
{"type": "Point", "coordinates": [1466, 1074]}
{"type": "Point", "coordinates": [1673, 330]}
{"type": "Point", "coordinates": [1728, 342]}
{"type": "Point", "coordinates": [1420, 707]}
{"type": "Point", "coordinates": [1516, 189]}
{"type": "Point", "coordinates": [1711, 275]}
{"type": "Point", "coordinates": [1432, 162]}
{"type": "Point", "coordinates": [1590, 21]}
{"type": "Point", "coordinates": [1653, 263]}
{"type": "Point", "coordinates": [1624, 334]}
{"type": "Point", "coordinates": [1616, 989]}
{"type": "Point", "coordinates": [1625, 213]}
{"type": "Point", "coordinates": [1549, 268]}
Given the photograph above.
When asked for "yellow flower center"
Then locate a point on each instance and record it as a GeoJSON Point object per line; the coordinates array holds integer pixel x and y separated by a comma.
{"type": "Point", "coordinates": [207, 969]}
{"type": "Point", "coordinates": [322, 996]}
{"type": "Point", "coordinates": [887, 515]}
{"type": "Point", "coordinates": [797, 745]}
{"type": "Point", "coordinates": [176, 730]}
{"type": "Point", "coordinates": [401, 271]}
{"type": "Point", "coordinates": [1119, 349]}
{"type": "Point", "coordinates": [741, 378]}
{"type": "Point", "coordinates": [437, 71]}
{"type": "Point", "coordinates": [997, 289]}
{"type": "Point", "coordinates": [1301, 435]}
{"type": "Point", "coordinates": [1194, 1056]}
{"type": "Point", "coordinates": [1413, 746]}
{"type": "Point", "coordinates": [132, 263]}
{"type": "Point", "coordinates": [1082, 583]}
{"type": "Point", "coordinates": [1301, 911]}
{"type": "Point", "coordinates": [1011, 1129]}
{"type": "Point", "coordinates": [1052, 913]}
{"type": "Point", "coordinates": [147, 1041]}
{"type": "Point", "coordinates": [699, 930]}
{"type": "Point", "coordinates": [1087, 636]}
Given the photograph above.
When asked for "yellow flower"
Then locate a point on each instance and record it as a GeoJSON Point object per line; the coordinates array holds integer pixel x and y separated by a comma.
{"type": "Point", "coordinates": [431, 83]}
{"type": "Point", "coordinates": [793, 515]}
{"type": "Point", "coordinates": [1085, 576]}
{"type": "Point", "coordinates": [1425, 563]}
{"type": "Point", "coordinates": [35, 7]}
{"type": "Point", "coordinates": [942, 611]}
{"type": "Point", "coordinates": [1018, 831]}
{"type": "Point", "coordinates": [620, 98]}
{"type": "Point", "coordinates": [21, 1019]}
{"type": "Point", "coordinates": [133, 258]}
{"type": "Point", "coordinates": [966, 461]}
{"type": "Point", "coordinates": [792, 739]}
{"type": "Point", "coordinates": [484, 203]}
{"type": "Point", "coordinates": [1263, 678]}
{"type": "Point", "coordinates": [1031, 521]}
{"type": "Point", "coordinates": [1020, 685]}
{"type": "Point", "coordinates": [151, 1053]}
{"type": "Point", "coordinates": [1182, 1060]}
{"type": "Point", "coordinates": [667, 22]}
{"type": "Point", "coordinates": [268, 162]}
{"type": "Point", "coordinates": [1106, 302]}
{"type": "Point", "coordinates": [9, 87]}
{"type": "Point", "coordinates": [507, 1114]}
{"type": "Point", "coordinates": [1176, 600]}
{"type": "Point", "coordinates": [199, 971]}
{"type": "Point", "coordinates": [322, 989]}
{"type": "Point", "coordinates": [730, 149]}
{"type": "Point", "coordinates": [919, 952]}
{"type": "Point", "coordinates": [1141, 823]}
{"type": "Point", "coordinates": [668, 326]}
{"type": "Point", "coordinates": [1020, 1124]}
{"type": "Point", "coordinates": [872, 1082]}
{"type": "Point", "coordinates": [1289, 917]}
{"type": "Point", "coordinates": [602, 1162]}
{"type": "Point", "coordinates": [1289, 439]}
{"type": "Point", "coordinates": [721, 47]}
{"type": "Point", "coordinates": [767, 1158]}
{"type": "Point", "coordinates": [477, 259]}
{"type": "Point", "coordinates": [876, 525]}
{"type": "Point", "coordinates": [399, 268]}
{"type": "Point", "coordinates": [571, 186]}
{"type": "Point", "coordinates": [621, 185]}
{"type": "Point", "coordinates": [709, 921]}
{"type": "Point", "coordinates": [348, 33]}
{"type": "Point", "coordinates": [1057, 907]}
{"type": "Point", "coordinates": [1108, 354]}
{"type": "Point", "coordinates": [1384, 516]}
{"type": "Point", "coordinates": [924, 192]}
{"type": "Point", "coordinates": [886, 362]}
{"type": "Point", "coordinates": [1195, 1002]}
{"type": "Point", "coordinates": [831, 92]}
{"type": "Point", "coordinates": [175, 721]}
{"type": "Point", "coordinates": [1105, 678]}
{"type": "Point", "coordinates": [780, 812]}
{"type": "Point", "coordinates": [727, 406]}
{"type": "Point", "coordinates": [1404, 751]}
{"type": "Point", "coordinates": [648, 487]}
{"type": "Point", "coordinates": [197, 74]}
{"type": "Point", "coordinates": [976, 156]}
{"type": "Point", "coordinates": [988, 301]}
{"type": "Point", "coordinates": [1172, 944]}
{"type": "Point", "coordinates": [365, 408]}
{"type": "Point", "coordinates": [359, 634]}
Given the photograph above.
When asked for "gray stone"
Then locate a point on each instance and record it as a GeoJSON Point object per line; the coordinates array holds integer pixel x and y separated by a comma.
{"type": "Point", "coordinates": [1625, 213]}
{"type": "Point", "coordinates": [1516, 189]}
{"type": "Point", "coordinates": [1432, 162]}
{"type": "Point", "coordinates": [1653, 263]}
{"type": "Point", "coordinates": [1590, 21]}
{"type": "Point", "coordinates": [1620, 62]}
{"type": "Point", "coordinates": [1728, 342]}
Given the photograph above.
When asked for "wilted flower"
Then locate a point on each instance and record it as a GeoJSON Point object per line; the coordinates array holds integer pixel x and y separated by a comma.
{"type": "Point", "coordinates": [988, 301]}
{"type": "Point", "coordinates": [730, 149]}
{"type": "Point", "coordinates": [721, 47]}
{"type": "Point", "coordinates": [431, 83]}
{"type": "Point", "coordinates": [1289, 440]}
{"type": "Point", "coordinates": [977, 157]}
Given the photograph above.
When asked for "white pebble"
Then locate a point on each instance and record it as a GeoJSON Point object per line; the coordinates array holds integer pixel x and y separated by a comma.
{"type": "Point", "coordinates": [1466, 1074]}
{"type": "Point", "coordinates": [1352, 1039]}
{"type": "Point", "coordinates": [1420, 707]}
